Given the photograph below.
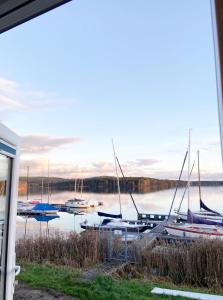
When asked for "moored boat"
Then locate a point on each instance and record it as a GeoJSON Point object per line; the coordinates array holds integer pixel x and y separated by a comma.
{"type": "Point", "coordinates": [195, 230]}
{"type": "Point", "coordinates": [45, 209]}
{"type": "Point", "coordinates": [77, 203]}
{"type": "Point", "coordinates": [114, 225]}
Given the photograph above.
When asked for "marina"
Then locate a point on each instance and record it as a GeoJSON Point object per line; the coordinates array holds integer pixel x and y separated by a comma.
{"type": "Point", "coordinates": [155, 203]}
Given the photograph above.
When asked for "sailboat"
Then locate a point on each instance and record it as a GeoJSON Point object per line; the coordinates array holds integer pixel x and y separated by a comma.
{"type": "Point", "coordinates": [78, 203]}
{"type": "Point", "coordinates": [45, 208]}
{"type": "Point", "coordinates": [114, 222]}
{"type": "Point", "coordinates": [190, 229]}
{"type": "Point", "coordinates": [119, 215]}
{"type": "Point", "coordinates": [205, 212]}
{"type": "Point", "coordinates": [117, 225]}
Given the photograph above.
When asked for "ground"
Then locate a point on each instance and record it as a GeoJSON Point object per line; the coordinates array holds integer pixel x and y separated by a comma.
{"type": "Point", "coordinates": [49, 282]}
{"type": "Point", "coordinates": [24, 292]}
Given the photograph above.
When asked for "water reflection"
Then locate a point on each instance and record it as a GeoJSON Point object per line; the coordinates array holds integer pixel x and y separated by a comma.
{"type": "Point", "coordinates": [156, 202]}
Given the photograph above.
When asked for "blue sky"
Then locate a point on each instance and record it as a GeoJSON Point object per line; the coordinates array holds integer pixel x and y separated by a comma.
{"type": "Point", "coordinates": [141, 72]}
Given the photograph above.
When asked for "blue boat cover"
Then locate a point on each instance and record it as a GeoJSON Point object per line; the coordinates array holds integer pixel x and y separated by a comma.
{"type": "Point", "coordinates": [102, 214]}
{"type": "Point", "coordinates": [44, 207]}
{"type": "Point", "coordinates": [204, 206]}
{"type": "Point", "coordinates": [194, 219]}
{"type": "Point", "coordinates": [42, 218]}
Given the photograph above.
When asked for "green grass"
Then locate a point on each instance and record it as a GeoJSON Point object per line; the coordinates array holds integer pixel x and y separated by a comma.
{"type": "Point", "coordinates": [67, 281]}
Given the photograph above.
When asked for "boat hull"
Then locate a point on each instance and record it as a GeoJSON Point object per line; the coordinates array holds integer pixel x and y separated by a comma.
{"type": "Point", "coordinates": [195, 231]}
{"type": "Point", "coordinates": [114, 228]}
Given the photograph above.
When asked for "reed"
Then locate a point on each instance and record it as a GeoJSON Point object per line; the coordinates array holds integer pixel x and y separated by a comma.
{"type": "Point", "coordinates": [199, 263]}
{"type": "Point", "coordinates": [72, 249]}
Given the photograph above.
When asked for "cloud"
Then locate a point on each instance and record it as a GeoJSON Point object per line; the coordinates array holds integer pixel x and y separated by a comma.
{"type": "Point", "coordinates": [99, 168]}
{"type": "Point", "coordinates": [14, 96]}
{"type": "Point", "coordinates": [143, 162]}
{"type": "Point", "coordinates": [10, 103]}
{"type": "Point", "coordinates": [7, 86]}
{"type": "Point", "coordinates": [44, 143]}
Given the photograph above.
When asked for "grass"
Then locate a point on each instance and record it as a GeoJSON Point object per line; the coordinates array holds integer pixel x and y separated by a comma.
{"type": "Point", "coordinates": [67, 281]}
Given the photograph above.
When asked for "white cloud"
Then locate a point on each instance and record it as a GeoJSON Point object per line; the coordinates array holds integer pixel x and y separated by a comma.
{"type": "Point", "coordinates": [8, 102]}
{"type": "Point", "coordinates": [8, 86]}
{"type": "Point", "coordinates": [143, 162]}
{"type": "Point", "coordinates": [37, 144]}
{"type": "Point", "coordinates": [100, 168]}
{"type": "Point", "coordinates": [14, 96]}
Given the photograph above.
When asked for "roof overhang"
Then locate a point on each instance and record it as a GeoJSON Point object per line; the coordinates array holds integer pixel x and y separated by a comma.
{"type": "Point", "coordinates": [16, 12]}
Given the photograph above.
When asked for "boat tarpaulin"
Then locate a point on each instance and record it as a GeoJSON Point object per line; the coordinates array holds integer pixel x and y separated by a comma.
{"type": "Point", "coordinates": [204, 206]}
{"type": "Point", "coordinates": [44, 207]}
{"type": "Point", "coordinates": [45, 218]}
{"type": "Point", "coordinates": [113, 216]}
{"type": "Point", "coordinates": [194, 219]}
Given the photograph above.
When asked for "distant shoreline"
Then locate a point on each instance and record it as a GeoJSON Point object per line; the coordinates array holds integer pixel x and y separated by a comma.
{"type": "Point", "coordinates": [105, 184]}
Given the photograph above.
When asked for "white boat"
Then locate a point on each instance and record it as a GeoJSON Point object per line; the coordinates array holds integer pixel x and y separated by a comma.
{"type": "Point", "coordinates": [195, 230]}
{"type": "Point", "coordinates": [117, 225]}
{"type": "Point", "coordinates": [78, 203]}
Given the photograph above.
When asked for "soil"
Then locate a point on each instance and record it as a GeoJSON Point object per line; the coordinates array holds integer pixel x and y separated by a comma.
{"type": "Point", "coordinates": [26, 292]}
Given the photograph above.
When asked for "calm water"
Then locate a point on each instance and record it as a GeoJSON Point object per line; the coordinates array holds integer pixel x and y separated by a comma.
{"type": "Point", "coordinates": [156, 202]}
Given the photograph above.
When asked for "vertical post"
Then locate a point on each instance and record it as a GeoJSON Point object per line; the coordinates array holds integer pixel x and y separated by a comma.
{"type": "Point", "coordinates": [75, 187]}
{"type": "Point", "coordinates": [27, 183]}
{"type": "Point", "coordinates": [188, 171]}
{"type": "Point", "coordinates": [199, 173]}
{"type": "Point", "coordinates": [48, 171]}
{"type": "Point", "coordinates": [110, 244]}
{"type": "Point", "coordinates": [217, 26]}
{"type": "Point", "coordinates": [42, 188]}
{"type": "Point", "coordinates": [126, 245]}
{"type": "Point", "coordinates": [26, 225]}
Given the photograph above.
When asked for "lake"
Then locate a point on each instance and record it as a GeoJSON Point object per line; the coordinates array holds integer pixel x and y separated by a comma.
{"type": "Point", "coordinates": [155, 202]}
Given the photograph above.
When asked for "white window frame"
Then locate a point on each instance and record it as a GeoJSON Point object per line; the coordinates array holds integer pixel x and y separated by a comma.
{"type": "Point", "coordinates": [11, 142]}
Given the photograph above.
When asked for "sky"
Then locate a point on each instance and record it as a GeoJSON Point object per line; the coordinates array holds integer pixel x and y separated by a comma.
{"type": "Point", "coordinates": [140, 72]}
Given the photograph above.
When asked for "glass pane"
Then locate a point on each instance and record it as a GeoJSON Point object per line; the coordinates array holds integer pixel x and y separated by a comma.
{"type": "Point", "coordinates": [4, 169]}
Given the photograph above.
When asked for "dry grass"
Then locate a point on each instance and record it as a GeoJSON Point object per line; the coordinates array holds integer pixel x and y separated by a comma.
{"type": "Point", "coordinates": [72, 250]}
{"type": "Point", "coordinates": [198, 264]}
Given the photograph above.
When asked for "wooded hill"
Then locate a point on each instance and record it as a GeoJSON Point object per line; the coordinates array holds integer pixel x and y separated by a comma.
{"type": "Point", "coordinates": [104, 184]}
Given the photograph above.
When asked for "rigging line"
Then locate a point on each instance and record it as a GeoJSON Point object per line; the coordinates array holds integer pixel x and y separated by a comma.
{"type": "Point", "coordinates": [178, 182]}
{"type": "Point", "coordinates": [129, 192]}
{"type": "Point", "coordinates": [199, 174]}
{"type": "Point", "coordinates": [186, 187]}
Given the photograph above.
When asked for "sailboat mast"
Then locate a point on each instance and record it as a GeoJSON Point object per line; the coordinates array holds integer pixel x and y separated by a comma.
{"type": "Point", "coordinates": [82, 183]}
{"type": "Point", "coordinates": [199, 174]}
{"type": "Point", "coordinates": [42, 188]}
{"type": "Point", "coordinates": [27, 183]}
{"type": "Point", "coordinates": [188, 171]}
{"type": "Point", "coordinates": [75, 187]}
{"type": "Point", "coordinates": [118, 183]}
{"type": "Point", "coordinates": [48, 171]}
